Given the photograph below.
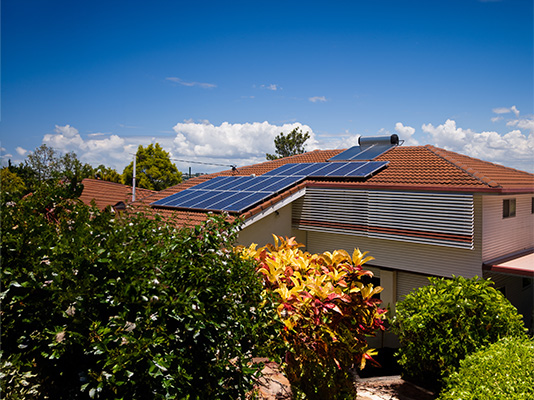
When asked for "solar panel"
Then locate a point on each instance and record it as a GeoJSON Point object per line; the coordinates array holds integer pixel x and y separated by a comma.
{"type": "Point", "coordinates": [238, 203]}
{"type": "Point", "coordinates": [368, 149]}
{"type": "Point", "coordinates": [360, 153]}
{"type": "Point", "coordinates": [330, 169]}
{"type": "Point", "coordinates": [368, 169]}
{"type": "Point", "coordinates": [238, 193]}
{"type": "Point", "coordinates": [233, 194]}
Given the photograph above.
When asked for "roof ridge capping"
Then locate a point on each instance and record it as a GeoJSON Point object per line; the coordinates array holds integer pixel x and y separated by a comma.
{"type": "Point", "coordinates": [464, 167]}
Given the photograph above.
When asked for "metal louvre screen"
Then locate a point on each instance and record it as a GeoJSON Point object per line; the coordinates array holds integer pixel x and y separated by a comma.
{"type": "Point", "coordinates": [332, 210]}
{"type": "Point", "coordinates": [428, 218]}
{"type": "Point", "coordinates": [441, 219]}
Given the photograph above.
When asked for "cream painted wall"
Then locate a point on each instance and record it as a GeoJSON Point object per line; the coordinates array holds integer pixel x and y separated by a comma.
{"type": "Point", "coordinates": [278, 223]}
{"type": "Point", "coordinates": [503, 236]}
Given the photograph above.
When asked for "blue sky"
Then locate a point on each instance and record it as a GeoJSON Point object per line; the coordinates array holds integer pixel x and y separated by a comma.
{"type": "Point", "coordinates": [216, 81]}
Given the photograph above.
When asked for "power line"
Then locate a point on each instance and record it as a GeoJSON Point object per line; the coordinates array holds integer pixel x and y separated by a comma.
{"type": "Point", "coordinates": [205, 163]}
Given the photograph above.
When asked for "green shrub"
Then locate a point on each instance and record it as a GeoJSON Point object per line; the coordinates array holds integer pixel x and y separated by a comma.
{"type": "Point", "coordinates": [504, 370]}
{"type": "Point", "coordinates": [326, 313]}
{"type": "Point", "coordinates": [99, 306]}
{"type": "Point", "coordinates": [441, 323]}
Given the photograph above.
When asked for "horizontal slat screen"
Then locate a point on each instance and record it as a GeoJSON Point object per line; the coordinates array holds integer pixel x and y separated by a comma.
{"type": "Point", "coordinates": [442, 219]}
{"type": "Point", "coordinates": [407, 282]}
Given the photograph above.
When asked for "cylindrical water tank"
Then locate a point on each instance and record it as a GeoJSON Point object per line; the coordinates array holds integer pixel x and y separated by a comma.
{"type": "Point", "coordinates": [369, 140]}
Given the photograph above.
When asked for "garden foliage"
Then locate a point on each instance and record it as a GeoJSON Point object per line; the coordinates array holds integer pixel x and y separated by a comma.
{"type": "Point", "coordinates": [327, 312]}
{"type": "Point", "coordinates": [441, 323]}
{"type": "Point", "coordinates": [99, 306]}
{"type": "Point", "coordinates": [503, 370]}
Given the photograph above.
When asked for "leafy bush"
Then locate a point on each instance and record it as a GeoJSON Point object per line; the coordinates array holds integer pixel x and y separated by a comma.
{"type": "Point", "coordinates": [99, 306]}
{"type": "Point", "coordinates": [441, 323]}
{"type": "Point", "coordinates": [327, 312]}
{"type": "Point", "coordinates": [503, 370]}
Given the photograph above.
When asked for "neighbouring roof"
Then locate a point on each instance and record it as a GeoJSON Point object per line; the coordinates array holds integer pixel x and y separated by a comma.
{"type": "Point", "coordinates": [411, 168]}
{"type": "Point", "coordinates": [521, 264]}
{"type": "Point", "coordinates": [106, 193]}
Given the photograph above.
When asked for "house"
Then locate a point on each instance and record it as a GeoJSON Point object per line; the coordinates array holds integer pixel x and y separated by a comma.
{"type": "Point", "coordinates": [420, 211]}
{"type": "Point", "coordinates": [111, 194]}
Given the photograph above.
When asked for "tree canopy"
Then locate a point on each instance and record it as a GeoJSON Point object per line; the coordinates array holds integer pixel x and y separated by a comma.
{"type": "Point", "coordinates": [45, 165]}
{"type": "Point", "coordinates": [10, 182]}
{"type": "Point", "coordinates": [96, 305]}
{"type": "Point", "coordinates": [107, 174]}
{"type": "Point", "coordinates": [293, 143]}
{"type": "Point", "coordinates": [154, 169]}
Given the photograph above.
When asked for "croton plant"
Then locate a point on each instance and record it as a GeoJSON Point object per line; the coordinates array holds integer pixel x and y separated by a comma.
{"type": "Point", "coordinates": [327, 310]}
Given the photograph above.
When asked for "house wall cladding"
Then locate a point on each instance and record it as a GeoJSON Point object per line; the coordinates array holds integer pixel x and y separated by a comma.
{"type": "Point", "coordinates": [406, 282]}
{"type": "Point", "coordinates": [445, 219]}
{"type": "Point", "coordinates": [401, 256]}
{"type": "Point", "coordinates": [503, 236]}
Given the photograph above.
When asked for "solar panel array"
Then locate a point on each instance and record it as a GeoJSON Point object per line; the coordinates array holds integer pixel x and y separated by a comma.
{"type": "Point", "coordinates": [360, 153]}
{"type": "Point", "coordinates": [237, 193]}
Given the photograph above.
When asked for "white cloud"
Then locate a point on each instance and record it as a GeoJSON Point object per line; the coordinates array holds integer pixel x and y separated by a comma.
{"type": "Point", "coordinates": [240, 144]}
{"type": "Point", "coordinates": [506, 110]}
{"type": "Point", "coordinates": [272, 86]}
{"type": "Point", "coordinates": [228, 144]}
{"type": "Point", "coordinates": [21, 151]}
{"type": "Point", "coordinates": [190, 84]}
{"type": "Point", "coordinates": [523, 123]}
{"type": "Point", "coordinates": [316, 99]}
{"type": "Point", "coordinates": [406, 133]}
{"type": "Point", "coordinates": [110, 150]}
{"type": "Point", "coordinates": [514, 149]}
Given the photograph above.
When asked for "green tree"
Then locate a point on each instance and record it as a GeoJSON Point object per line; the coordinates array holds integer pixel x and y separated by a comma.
{"type": "Point", "coordinates": [10, 182]}
{"type": "Point", "coordinates": [74, 171]}
{"type": "Point", "coordinates": [293, 143]}
{"type": "Point", "coordinates": [154, 169]}
{"type": "Point", "coordinates": [107, 174]}
{"type": "Point", "coordinates": [44, 162]}
{"type": "Point", "coordinates": [96, 305]}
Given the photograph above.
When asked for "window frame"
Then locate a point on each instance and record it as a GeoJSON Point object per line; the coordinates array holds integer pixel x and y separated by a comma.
{"type": "Point", "coordinates": [509, 208]}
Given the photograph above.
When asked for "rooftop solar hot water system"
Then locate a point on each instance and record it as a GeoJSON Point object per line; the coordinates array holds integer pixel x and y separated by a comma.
{"type": "Point", "coordinates": [236, 194]}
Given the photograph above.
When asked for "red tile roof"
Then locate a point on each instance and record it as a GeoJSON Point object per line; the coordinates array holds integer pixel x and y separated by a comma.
{"type": "Point", "coordinates": [410, 168]}
{"type": "Point", "coordinates": [109, 193]}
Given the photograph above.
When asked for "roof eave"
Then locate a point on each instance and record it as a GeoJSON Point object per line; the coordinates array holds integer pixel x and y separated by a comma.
{"type": "Point", "coordinates": [411, 188]}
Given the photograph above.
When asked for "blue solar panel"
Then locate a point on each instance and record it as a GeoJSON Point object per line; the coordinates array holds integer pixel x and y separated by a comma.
{"type": "Point", "coordinates": [369, 169]}
{"type": "Point", "coordinates": [361, 153]}
{"type": "Point", "coordinates": [345, 169]}
{"type": "Point", "coordinates": [284, 170]}
{"type": "Point", "coordinates": [240, 202]}
{"type": "Point", "coordinates": [235, 181]}
{"type": "Point", "coordinates": [284, 182]}
{"type": "Point", "coordinates": [214, 183]}
{"type": "Point", "coordinates": [347, 154]}
{"type": "Point", "coordinates": [208, 200]}
{"type": "Point", "coordinates": [177, 198]}
{"type": "Point", "coordinates": [238, 193]}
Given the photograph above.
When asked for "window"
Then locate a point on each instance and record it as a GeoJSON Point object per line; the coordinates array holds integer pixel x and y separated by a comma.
{"type": "Point", "coordinates": [532, 207]}
{"type": "Point", "coordinates": [508, 208]}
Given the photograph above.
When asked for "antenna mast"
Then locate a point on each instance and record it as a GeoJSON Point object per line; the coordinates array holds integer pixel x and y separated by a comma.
{"type": "Point", "coordinates": [133, 180]}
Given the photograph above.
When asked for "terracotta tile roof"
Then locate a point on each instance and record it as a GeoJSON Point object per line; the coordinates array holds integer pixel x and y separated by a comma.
{"type": "Point", "coordinates": [410, 168]}
{"type": "Point", "coordinates": [493, 175]}
{"type": "Point", "coordinates": [109, 193]}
